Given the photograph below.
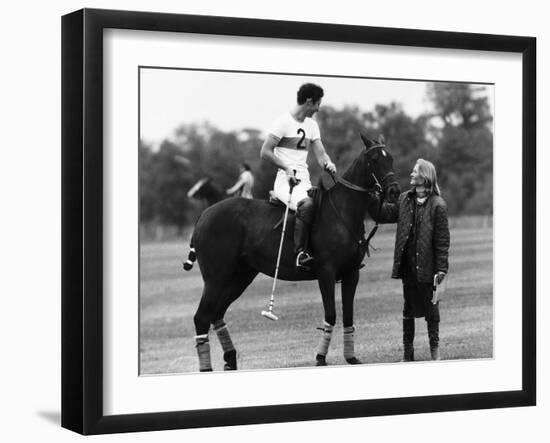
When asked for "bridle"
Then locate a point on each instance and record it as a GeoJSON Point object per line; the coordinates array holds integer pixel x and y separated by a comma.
{"type": "Point", "coordinates": [382, 183]}
{"type": "Point", "coordinates": [379, 186]}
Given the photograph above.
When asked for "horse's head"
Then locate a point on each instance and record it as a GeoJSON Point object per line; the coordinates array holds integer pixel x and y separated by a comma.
{"type": "Point", "coordinates": [197, 191]}
{"type": "Point", "coordinates": [206, 190]}
{"type": "Point", "coordinates": [378, 163]}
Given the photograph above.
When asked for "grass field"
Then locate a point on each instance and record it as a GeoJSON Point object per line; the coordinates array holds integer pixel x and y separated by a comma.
{"type": "Point", "coordinates": [169, 297]}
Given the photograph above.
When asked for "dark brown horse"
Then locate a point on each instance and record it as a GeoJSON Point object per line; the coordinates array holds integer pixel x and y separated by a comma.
{"type": "Point", "coordinates": [235, 240]}
{"type": "Point", "coordinates": [205, 189]}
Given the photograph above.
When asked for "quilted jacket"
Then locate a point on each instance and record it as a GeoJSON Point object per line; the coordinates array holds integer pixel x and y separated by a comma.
{"type": "Point", "coordinates": [433, 238]}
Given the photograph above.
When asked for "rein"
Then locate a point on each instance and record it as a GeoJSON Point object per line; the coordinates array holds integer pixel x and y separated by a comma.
{"type": "Point", "coordinates": [373, 230]}
{"type": "Point", "coordinates": [378, 184]}
{"type": "Point", "coordinates": [350, 185]}
{"type": "Point", "coordinates": [377, 188]}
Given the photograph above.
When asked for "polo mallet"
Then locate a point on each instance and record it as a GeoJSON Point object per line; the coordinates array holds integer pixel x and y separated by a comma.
{"type": "Point", "coordinates": [269, 313]}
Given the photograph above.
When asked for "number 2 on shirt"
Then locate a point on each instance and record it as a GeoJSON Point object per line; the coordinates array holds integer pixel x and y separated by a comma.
{"type": "Point", "coordinates": [300, 144]}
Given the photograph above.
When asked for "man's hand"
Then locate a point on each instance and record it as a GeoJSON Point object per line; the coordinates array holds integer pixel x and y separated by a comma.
{"type": "Point", "coordinates": [291, 175]}
{"type": "Point", "coordinates": [440, 277]}
{"type": "Point", "coordinates": [330, 167]}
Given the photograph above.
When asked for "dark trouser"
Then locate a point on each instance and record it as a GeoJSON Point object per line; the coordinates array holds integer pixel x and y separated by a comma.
{"type": "Point", "coordinates": [417, 297]}
{"type": "Point", "coordinates": [304, 218]}
{"type": "Point", "coordinates": [418, 303]}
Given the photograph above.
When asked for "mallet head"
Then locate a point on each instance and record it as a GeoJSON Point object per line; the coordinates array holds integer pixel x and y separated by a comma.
{"type": "Point", "coordinates": [270, 315]}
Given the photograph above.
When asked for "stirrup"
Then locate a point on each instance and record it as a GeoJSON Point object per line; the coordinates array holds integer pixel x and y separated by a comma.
{"type": "Point", "coordinates": [303, 259]}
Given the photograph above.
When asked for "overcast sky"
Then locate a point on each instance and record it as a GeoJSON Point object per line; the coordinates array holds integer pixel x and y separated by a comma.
{"type": "Point", "coordinates": [232, 101]}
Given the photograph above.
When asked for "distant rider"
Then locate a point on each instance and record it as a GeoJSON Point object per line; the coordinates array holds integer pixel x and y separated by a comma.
{"type": "Point", "coordinates": [245, 183]}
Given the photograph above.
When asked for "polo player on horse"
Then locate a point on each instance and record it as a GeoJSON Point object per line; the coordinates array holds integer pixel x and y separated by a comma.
{"type": "Point", "coordinates": [238, 238]}
{"type": "Point", "coordinates": [286, 146]}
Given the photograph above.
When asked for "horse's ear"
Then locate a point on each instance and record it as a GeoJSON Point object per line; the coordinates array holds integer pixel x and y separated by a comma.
{"type": "Point", "coordinates": [381, 140]}
{"type": "Point", "coordinates": [365, 139]}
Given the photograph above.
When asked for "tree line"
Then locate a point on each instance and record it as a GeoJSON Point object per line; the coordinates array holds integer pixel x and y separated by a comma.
{"type": "Point", "coordinates": [456, 136]}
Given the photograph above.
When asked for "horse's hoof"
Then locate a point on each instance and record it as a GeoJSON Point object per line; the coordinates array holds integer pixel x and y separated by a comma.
{"type": "Point", "coordinates": [353, 361]}
{"type": "Point", "coordinates": [320, 360]}
{"type": "Point", "coordinates": [228, 367]}
{"type": "Point", "coordinates": [206, 370]}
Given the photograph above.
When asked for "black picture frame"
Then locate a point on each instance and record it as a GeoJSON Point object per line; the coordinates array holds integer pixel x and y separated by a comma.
{"type": "Point", "coordinates": [82, 220]}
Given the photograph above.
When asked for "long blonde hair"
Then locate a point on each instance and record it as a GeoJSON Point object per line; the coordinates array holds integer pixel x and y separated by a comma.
{"type": "Point", "coordinates": [426, 170]}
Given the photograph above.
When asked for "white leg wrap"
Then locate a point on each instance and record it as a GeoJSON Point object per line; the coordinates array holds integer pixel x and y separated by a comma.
{"type": "Point", "coordinates": [223, 336]}
{"type": "Point", "coordinates": [349, 341]}
{"type": "Point", "coordinates": [324, 343]}
{"type": "Point", "coordinates": [203, 351]}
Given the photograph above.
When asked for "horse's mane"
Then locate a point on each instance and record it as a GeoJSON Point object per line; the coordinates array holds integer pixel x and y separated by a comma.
{"type": "Point", "coordinates": [358, 162]}
{"type": "Point", "coordinates": [351, 171]}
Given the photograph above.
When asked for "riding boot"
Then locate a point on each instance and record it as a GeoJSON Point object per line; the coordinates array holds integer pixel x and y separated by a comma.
{"type": "Point", "coordinates": [433, 336]}
{"type": "Point", "coordinates": [301, 234]}
{"type": "Point", "coordinates": [408, 339]}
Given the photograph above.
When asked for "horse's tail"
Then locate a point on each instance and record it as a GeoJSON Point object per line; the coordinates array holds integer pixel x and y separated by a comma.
{"type": "Point", "coordinates": [191, 257]}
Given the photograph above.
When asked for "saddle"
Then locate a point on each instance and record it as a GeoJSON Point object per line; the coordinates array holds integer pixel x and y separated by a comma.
{"type": "Point", "coordinates": [314, 193]}
{"type": "Point", "coordinates": [275, 201]}
{"type": "Point", "coordinates": [318, 194]}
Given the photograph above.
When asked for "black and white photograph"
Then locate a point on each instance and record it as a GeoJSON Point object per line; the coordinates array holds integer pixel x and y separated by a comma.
{"type": "Point", "coordinates": [212, 213]}
{"type": "Point", "coordinates": [299, 220]}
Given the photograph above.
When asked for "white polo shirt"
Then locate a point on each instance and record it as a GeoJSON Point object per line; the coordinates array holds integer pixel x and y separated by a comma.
{"type": "Point", "coordinates": [295, 139]}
